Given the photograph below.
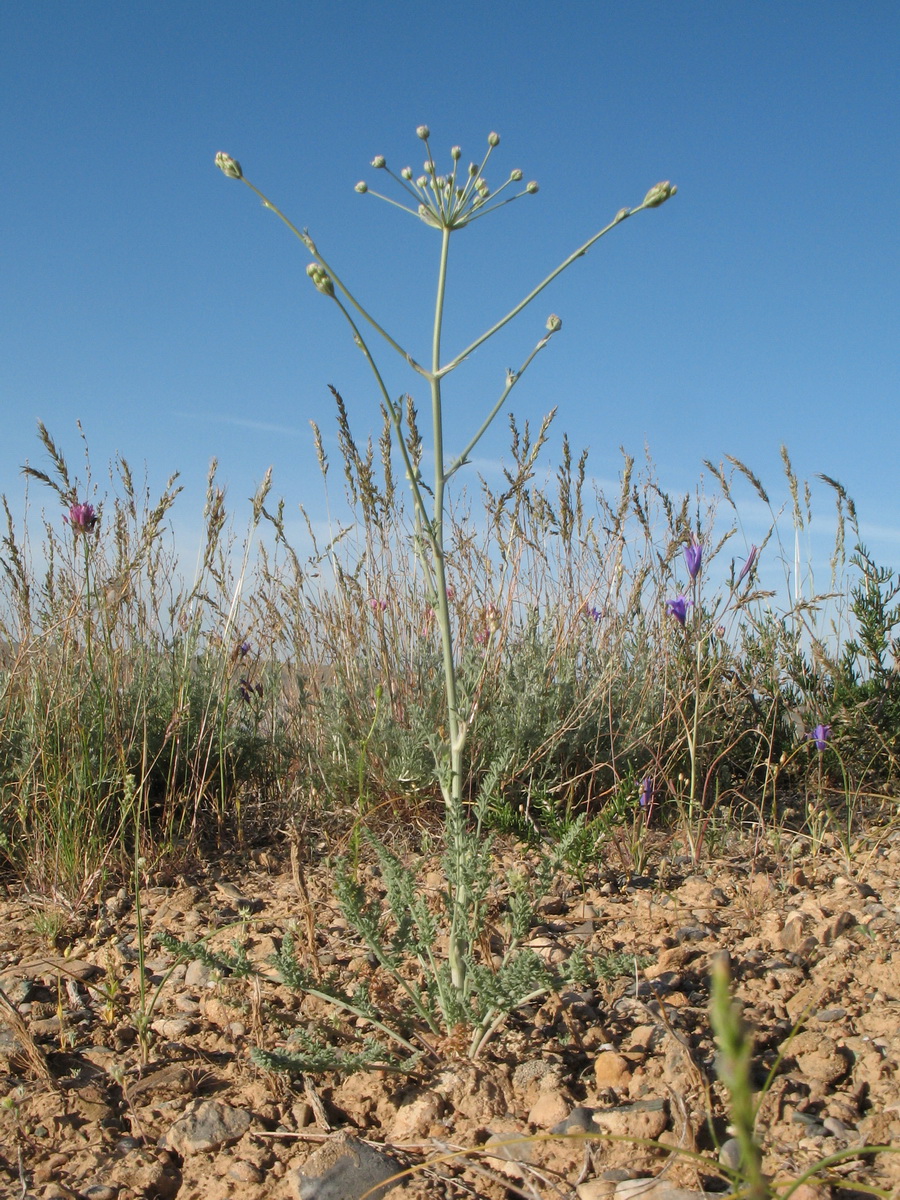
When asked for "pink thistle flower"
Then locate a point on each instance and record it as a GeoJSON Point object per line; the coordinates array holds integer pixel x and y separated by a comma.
{"type": "Point", "coordinates": [82, 517]}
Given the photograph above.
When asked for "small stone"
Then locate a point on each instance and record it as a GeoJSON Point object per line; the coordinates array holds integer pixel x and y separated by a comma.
{"type": "Point", "coordinates": [100, 1191]}
{"type": "Point", "coordinates": [245, 1172]}
{"type": "Point", "coordinates": [611, 1070]}
{"type": "Point", "coordinates": [730, 1154]}
{"type": "Point", "coordinates": [197, 974]}
{"type": "Point", "coordinates": [643, 1119]}
{"type": "Point", "coordinates": [343, 1167]}
{"type": "Point", "coordinates": [510, 1146]}
{"type": "Point", "coordinates": [548, 1110]}
{"type": "Point", "coordinates": [659, 1189]}
{"type": "Point", "coordinates": [173, 1029]}
{"type": "Point", "coordinates": [205, 1125]}
{"type": "Point", "coordinates": [595, 1189]}
{"type": "Point", "coordinates": [811, 1191]}
{"type": "Point", "coordinates": [691, 933]}
{"type": "Point", "coordinates": [579, 1120]}
{"type": "Point", "coordinates": [836, 1128]}
{"type": "Point", "coordinates": [415, 1117]}
{"type": "Point", "coordinates": [828, 1015]}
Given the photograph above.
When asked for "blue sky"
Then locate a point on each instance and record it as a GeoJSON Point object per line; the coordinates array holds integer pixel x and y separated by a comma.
{"type": "Point", "coordinates": [155, 301]}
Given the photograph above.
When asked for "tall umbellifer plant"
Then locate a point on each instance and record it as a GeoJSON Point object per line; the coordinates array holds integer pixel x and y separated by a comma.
{"type": "Point", "coordinates": [448, 203]}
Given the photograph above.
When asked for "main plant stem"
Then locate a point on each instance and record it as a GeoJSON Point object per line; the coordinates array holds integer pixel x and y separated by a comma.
{"type": "Point", "coordinates": [457, 727]}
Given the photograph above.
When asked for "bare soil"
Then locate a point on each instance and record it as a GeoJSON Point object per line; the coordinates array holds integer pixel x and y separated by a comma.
{"type": "Point", "coordinates": [813, 945]}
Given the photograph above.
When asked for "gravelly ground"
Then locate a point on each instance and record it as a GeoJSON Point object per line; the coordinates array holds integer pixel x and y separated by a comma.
{"type": "Point", "coordinates": [813, 944]}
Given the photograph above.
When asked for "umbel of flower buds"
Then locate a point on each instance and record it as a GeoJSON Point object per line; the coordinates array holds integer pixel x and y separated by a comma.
{"type": "Point", "coordinates": [229, 166]}
{"type": "Point", "coordinates": [554, 323]}
{"type": "Point", "coordinates": [659, 194]}
{"type": "Point", "coordinates": [321, 279]}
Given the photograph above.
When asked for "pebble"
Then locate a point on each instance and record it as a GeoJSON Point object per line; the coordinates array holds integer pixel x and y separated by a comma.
{"type": "Point", "coordinates": [658, 1189]}
{"type": "Point", "coordinates": [836, 1128]}
{"type": "Point", "coordinates": [245, 1172]}
{"type": "Point", "coordinates": [197, 974]}
{"type": "Point", "coordinates": [343, 1167]}
{"type": "Point", "coordinates": [173, 1029]}
{"type": "Point", "coordinates": [643, 1119]}
{"type": "Point", "coordinates": [611, 1070]}
{"type": "Point", "coordinates": [828, 1015]}
{"type": "Point", "coordinates": [730, 1154]}
{"type": "Point", "coordinates": [205, 1125]}
{"type": "Point", "coordinates": [691, 933]}
{"type": "Point", "coordinates": [548, 1110]}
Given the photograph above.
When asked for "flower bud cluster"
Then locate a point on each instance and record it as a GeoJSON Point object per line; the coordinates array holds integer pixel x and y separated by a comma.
{"type": "Point", "coordinates": [229, 166]}
{"type": "Point", "coordinates": [659, 194]}
{"type": "Point", "coordinates": [321, 279]}
{"type": "Point", "coordinates": [453, 200]}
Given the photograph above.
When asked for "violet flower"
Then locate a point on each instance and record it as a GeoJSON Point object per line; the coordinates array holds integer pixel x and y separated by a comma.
{"type": "Point", "coordinates": [678, 608]}
{"type": "Point", "coordinates": [646, 797]}
{"type": "Point", "coordinates": [693, 556]}
{"type": "Point", "coordinates": [377, 605]}
{"type": "Point", "coordinates": [820, 736]}
{"type": "Point", "coordinates": [748, 565]}
{"type": "Point", "coordinates": [82, 518]}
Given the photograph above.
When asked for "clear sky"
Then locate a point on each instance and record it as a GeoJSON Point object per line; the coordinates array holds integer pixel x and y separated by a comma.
{"type": "Point", "coordinates": [152, 299]}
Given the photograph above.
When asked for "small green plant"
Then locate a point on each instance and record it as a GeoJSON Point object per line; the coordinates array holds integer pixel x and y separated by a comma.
{"type": "Point", "coordinates": [734, 1069]}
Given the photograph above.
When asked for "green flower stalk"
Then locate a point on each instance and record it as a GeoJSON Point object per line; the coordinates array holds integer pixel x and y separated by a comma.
{"type": "Point", "coordinates": [447, 203]}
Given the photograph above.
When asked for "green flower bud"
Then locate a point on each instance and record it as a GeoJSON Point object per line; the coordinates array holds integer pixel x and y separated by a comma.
{"type": "Point", "coordinates": [379, 161]}
{"type": "Point", "coordinates": [493, 139]}
{"type": "Point", "coordinates": [473, 168]}
{"type": "Point", "coordinates": [659, 194]}
{"type": "Point", "coordinates": [321, 279]}
{"type": "Point", "coordinates": [406, 173]}
{"type": "Point", "coordinates": [229, 166]}
{"type": "Point", "coordinates": [423, 132]}
{"type": "Point", "coordinates": [621, 215]}
{"type": "Point", "coordinates": [422, 181]}
{"type": "Point", "coordinates": [531, 188]}
{"type": "Point", "coordinates": [429, 217]}
{"type": "Point", "coordinates": [554, 323]}
{"type": "Point", "coordinates": [456, 153]}
{"type": "Point", "coordinates": [362, 187]}
{"type": "Point", "coordinates": [515, 175]}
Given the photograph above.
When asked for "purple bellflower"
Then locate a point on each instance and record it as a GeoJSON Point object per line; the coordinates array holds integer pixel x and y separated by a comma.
{"type": "Point", "coordinates": [820, 736]}
{"type": "Point", "coordinates": [678, 608]}
{"type": "Point", "coordinates": [82, 517]}
{"type": "Point", "coordinates": [646, 797]}
{"type": "Point", "coordinates": [693, 556]}
{"type": "Point", "coordinates": [748, 565]}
